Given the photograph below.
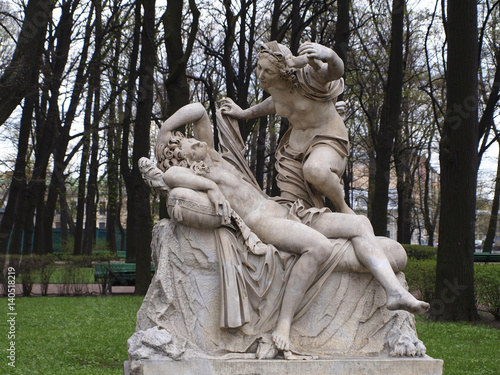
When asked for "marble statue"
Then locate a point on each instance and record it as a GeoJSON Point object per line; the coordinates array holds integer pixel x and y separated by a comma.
{"type": "Point", "coordinates": [192, 164]}
{"type": "Point", "coordinates": [243, 275]}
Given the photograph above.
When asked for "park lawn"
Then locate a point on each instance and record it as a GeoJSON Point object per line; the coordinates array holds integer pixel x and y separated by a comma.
{"type": "Point", "coordinates": [465, 348]}
{"type": "Point", "coordinates": [88, 335]}
{"type": "Point", "coordinates": [69, 335]}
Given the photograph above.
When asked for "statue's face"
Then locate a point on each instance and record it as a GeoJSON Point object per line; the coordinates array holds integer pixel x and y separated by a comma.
{"type": "Point", "coordinates": [268, 73]}
{"type": "Point", "coordinates": [193, 149]}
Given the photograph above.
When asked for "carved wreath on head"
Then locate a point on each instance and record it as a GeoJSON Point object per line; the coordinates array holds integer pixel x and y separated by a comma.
{"type": "Point", "coordinates": [279, 54]}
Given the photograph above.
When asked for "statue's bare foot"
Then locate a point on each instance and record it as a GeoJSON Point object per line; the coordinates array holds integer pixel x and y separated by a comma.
{"type": "Point", "coordinates": [281, 335]}
{"type": "Point", "coordinates": [405, 301]}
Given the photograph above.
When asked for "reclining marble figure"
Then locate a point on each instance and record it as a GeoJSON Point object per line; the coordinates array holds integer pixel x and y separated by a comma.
{"type": "Point", "coordinates": [192, 171]}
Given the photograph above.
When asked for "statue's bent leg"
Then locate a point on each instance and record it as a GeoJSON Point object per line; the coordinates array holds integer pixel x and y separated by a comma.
{"type": "Point", "coordinates": [337, 225]}
{"type": "Point", "coordinates": [323, 169]}
{"type": "Point", "coordinates": [314, 250]}
{"type": "Point", "coordinates": [370, 254]}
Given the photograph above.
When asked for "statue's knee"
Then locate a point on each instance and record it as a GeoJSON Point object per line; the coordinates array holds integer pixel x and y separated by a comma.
{"type": "Point", "coordinates": [316, 173]}
{"type": "Point", "coordinates": [400, 257]}
{"type": "Point", "coordinates": [365, 223]}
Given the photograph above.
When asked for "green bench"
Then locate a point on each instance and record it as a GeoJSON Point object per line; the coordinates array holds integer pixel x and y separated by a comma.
{"type": "Point", "coordinates": [486, 257]}
{"type": "Point", "coordinates": [116, 273]}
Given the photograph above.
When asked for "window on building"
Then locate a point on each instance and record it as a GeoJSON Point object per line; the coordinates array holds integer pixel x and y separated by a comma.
{"type": "Point", "coordinates": [102, 208]}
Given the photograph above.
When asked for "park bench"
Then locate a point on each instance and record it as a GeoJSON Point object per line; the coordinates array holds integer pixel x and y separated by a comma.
{"type": "Point", "coordinates": [486, 257]}
{"type": "Point", "coordinates": [116, 273]}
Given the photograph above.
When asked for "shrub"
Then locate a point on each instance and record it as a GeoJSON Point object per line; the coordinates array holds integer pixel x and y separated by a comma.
{"type": "Point", "coordinates": [47, 267]}
{"type": "Point", "coordinates": [421, 277]}
{"type": "Point", "coordinates": [3, 276]}
{"type": "Point", "coordinates": [487, 287]}
{"type": "Point", "coordinates": [75, 277]}
{"type": "Point", "coordinates": [27, 268]}
{"type": "Point", "coordinates": [420, 251]}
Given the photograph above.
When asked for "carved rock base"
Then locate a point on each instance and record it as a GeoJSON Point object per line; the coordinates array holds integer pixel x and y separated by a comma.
{"type": "Point", "coordinates": [341, 366]}
{"type": "Point", "coordinates": [180, 316]}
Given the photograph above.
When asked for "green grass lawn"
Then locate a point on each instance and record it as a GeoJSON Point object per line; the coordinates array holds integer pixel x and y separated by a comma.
{"type": "Point", "coordinates": [465, 348]}
{"type": "Point", "coordinates": [69, 335]}
{"type": "Point", "coordinates": [88, 335]}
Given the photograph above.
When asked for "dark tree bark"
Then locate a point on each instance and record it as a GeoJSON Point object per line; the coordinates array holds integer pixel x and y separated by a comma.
{"type": "Point", "coordinates": [17, 80]}
{"type": "Point", "coordinates": [57, 182]}
{"type": "Point", "coordinates": [342, 30]}
{"type": "Point", "coordinates": [82, 178]}
{"type": "Point", "coordinates": [127, 120]}
{"type": "Point", "coordinates": [430, 203]}
{"type": "Point", "coordinates": [404, 163]}
{"type": "Point", "coordinates": [458, 160]}
{"type": "Point", "coordinates": [492, 226]}
{"type": "Point", "coordinates": [238, 78]}
{"type": "Point", "coordinates": [177, 57]}
{"type": "Point", "coordinates": [13, 219]}
{"type": "Point", "coordinates": [140, 195]}
{"type": "Point", "coordinates": [89, 233]}
{"type": "Point", "coordinates": [113, 138]}
{"type": "Point", "coordinates": [389, 122]}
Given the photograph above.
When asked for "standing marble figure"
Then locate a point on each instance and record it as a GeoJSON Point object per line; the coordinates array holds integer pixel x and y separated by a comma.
{"type": "Point", "coordinates": [312, 155]}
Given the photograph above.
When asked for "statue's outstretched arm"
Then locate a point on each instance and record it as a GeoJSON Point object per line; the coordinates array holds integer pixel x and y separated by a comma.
{"type": "Point", "coordinates": [192, 113]}
{"type": "Point", "coordinates": [265, 108]}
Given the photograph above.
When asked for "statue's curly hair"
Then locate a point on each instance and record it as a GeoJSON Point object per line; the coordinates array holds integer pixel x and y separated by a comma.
{"type": "Point", "coordinates": [169, 153]}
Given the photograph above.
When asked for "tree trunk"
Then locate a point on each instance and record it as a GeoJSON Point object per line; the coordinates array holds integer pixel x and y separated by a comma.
{"type": "Point", "coordinates": [142, 213]}
{"type": "Point", "coordinates": [492, 227]}
{"type": "Point", "coordinates": [13, 219]}
{"type": "Point", "coordinates": [342, 29]}
{"type": "Point", "coordinates": [389, 122]}
{"type": "Point", "coordinates": [177, 85]}
{"type": "Point", "coordinates": [17, 80]}
{"type": "Point", "coordinates": [113, 136]}
{"type": "Point", "coordinates": [404, 161]}
{"type": "Point", "coordinates": [82, 178]}
{"type": "Point", "coordinates": [89, 234]}
{"type": "Point", "coordinates": [63, 37]}
{"type": "Point", "coordinates": [458, 160]}
{"type": "Point", "coordinates": [127, 120]}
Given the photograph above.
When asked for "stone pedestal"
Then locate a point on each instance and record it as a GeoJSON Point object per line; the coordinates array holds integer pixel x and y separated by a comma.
{"type": "Point", "coordinates": [341, 366]}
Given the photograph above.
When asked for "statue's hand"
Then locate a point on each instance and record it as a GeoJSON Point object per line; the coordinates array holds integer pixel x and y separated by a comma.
{"type": "Point", "coordinates": [316, 51]}
{"type": "Point", "coordinates": [222, 206]}
{"type": "Point", "coordinates": [230, 108]}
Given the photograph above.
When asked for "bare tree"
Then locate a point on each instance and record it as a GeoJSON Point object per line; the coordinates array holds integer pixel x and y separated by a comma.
{"type": "Point", "coordinates": [19, 78]}
{"type": "Point", "coordinates": [139, 210]}
{"type": "Point", "coordinates": [389, 121]}
{"type": "Point", "coordinates": [459, 163]}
